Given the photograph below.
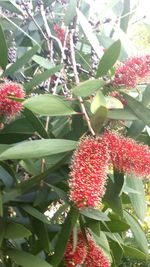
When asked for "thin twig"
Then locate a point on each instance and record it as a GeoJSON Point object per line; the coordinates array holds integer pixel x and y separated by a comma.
{"type": "Point", "coordinates": [77, 81]}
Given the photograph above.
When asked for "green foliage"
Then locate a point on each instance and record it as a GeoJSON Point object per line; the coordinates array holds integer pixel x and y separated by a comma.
{"type": "Point", "coordinates": [67, 74]}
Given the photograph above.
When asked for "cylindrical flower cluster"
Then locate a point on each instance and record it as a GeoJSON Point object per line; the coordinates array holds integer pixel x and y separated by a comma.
{"type": "Point", "coordinates": [10, 107]}
{"type": "Point", "coordinates": [87, 253]}
{"type": "Point", "coordinates": [127, 155]}
{"type": "Point", "coordinates": [88, 172]}
{"type": "Point", "coordinates": [133, 71]}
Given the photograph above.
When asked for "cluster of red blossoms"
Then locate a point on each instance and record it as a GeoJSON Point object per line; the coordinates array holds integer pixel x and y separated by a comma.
{"type": "Point", "coordinates": [91, 160]}
{"type": "Point", "coordinates": [60, 33]}
{"type": "Point", "coordinates": [8, 106]}
{"type": "Point", "coordinates": [87, 253]}
{"type": "Point", "coordinates": [133, 71]}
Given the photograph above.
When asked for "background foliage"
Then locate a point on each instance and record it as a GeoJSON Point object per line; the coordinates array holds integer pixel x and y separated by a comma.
{"type": "Point", "coordinates": [54, 48]}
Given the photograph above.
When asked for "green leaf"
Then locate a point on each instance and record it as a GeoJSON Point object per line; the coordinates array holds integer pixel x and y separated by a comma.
{"type": "Point", "coordinates": [1, 205]}
{"type": "Point", "coordinates": [15, 230]}
{"type": "Point", "coordinates": [98, 101]}
{"type": "Point", "coordinates": [21, 61]}
{"type": "Point", "coordinates": [87, 88]}
{"type": "Point", "coordinates": [38, 149]}
{"type": "Point", "coordinates": [138, 109]}
{"type": "Point", "coordinates": [3, 49]}
{"type": "Point", "coordinates": [115, 226]}
{"type": "Point", "coordinates": [94, 214]}
{"type": "Point", "coordinates": [39, 78]}
{"type": "Point", "coordinates": [125, 16]}
{"type": "Point", "coordinates": [87, 29]}
{"type": "Point", "coordinates": [35, 213]}
{"type": "Point", "coordinates": [45, 63]}
{"type": "Point", "coordinates": [26, 259]}
{"type": "Point", "coordinates": [36, 123]}
{"type": "Point", "coordinates": [40, 229]}
{"type": "Point", "coordinates": [49, 105]}
{"type": "Point", "coordinates": [121, 114]}
{"type": "Point", "coordinates": [70, 12]}
{"type": "Point", "coordinates": [138, 200]}
{"type": "Point", "coordinates": [64, 236]}
{"type": "Point", "coordinates": [146, 96]}
{"type": "Point", "coordinates": [134, 253]}
{"type": "Point", "coordinates": [137, 231]}
{"type": "Point", "coordinates": [108, 59]}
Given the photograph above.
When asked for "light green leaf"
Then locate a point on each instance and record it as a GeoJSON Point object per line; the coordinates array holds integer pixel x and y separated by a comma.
{"type": "Point", "coordinates": [49, 105]}
{"type": "Point", "coordinates": [87, 88]}
{"type": "Point", "coordinates": [121, 114]}
{"type": "Point", "coordinates": [3, 49]}
{"type": "Point", "coordinates": [45, 63]}
{"type": "Point", "coordinates": [137, 231]}
{"type": "Point", "coordinates": [109, 58]}
{"type": "Point", "coordinates": [26, 259]}
{"type": "Point", "coordinates": [134, 253]}
{"type": "Point", "coordinates": [38, 149]}
{"type": "Point", "coordinates": [98, 101]}
{"type": "Point", "coordinates": [15, 230]}
{"type": "Point", "coordinates": [89, 33]}
{"type": "Point", "coordinates": [70, 12]}
{"type": "Point", "coordinates": [138, 200]}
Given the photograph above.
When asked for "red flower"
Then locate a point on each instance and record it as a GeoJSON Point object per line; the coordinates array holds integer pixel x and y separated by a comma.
{"type": "Point", "coordinates": [95, 256]}
{"type": "Point", "coordinates": [60, 33]}
{"type": "Point", "coordinates": [88, 173]}
{"type": "Point", "coordinates": [133, 71]}
{"type": "Point", "coordinates": [9, 107]}
{"type": "Point", "coordinates": [127, 155]}
{"type": "Point", "coordinates": [77, 256]}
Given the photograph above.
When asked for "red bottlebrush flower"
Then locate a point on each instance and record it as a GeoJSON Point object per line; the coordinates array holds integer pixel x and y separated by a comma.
{"type": "Point", "coordinates": [95, 256]}
{"type": "Point", "coordinates": [88, 173]}
{"type": "Point", "coordinates": [127, 155]}
{"type": "Point", "coordinates": [60, 33]}
{"type": "Point", "coordinates": [133, 71]}
{"type": "Point", "coordinates": [9, 107]}
{"type": "Point", "coordinates": [77, 256]}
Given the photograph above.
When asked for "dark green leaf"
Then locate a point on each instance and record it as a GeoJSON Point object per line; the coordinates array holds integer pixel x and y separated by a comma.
{"type": "Point", "coordinates": [38, 149]}
{"type": "Point", "coordinates": [26, 259]}
{"type": "Point", "coordinates": [21, 61]}
{"type": "Point", "coordinates": [15, 230]}
{"type": "Point", "coordinates": [94, 214]}
{"type": "Point", "coordinates": [108, 59]}
{"type": "Point", "coordinates": [35, 213]}
{"type": "Point", "coordinates": [121, 114]}
{"type": "Point", "coordinates": [64, 236]}
{"type": "Point", "coordinates": [49, 105]}
{"type": "Point", "coordinates": [88, 87]}
{"type": "Point", "coordinates": [3, 49]}
{"type": "Point", "coordinates": [39, 78]}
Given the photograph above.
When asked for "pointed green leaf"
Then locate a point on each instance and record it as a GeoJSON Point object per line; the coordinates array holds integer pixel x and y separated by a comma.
{"type": "Point", "coordinates": [137, 231]}
{"type": "Point", "coordinates": [138, 200]}
{"type": "Point", "coordinates": [134, 253]}
{"type": "Point", "coordinates": [3, 49]}
{"type": "Point", "coordinates": [87, 88]}
{"type": "Point", "coordinates": [108, 59]}
{"type": "Point", "coordinates": [87, 29]}
{"type": "Point", "coordinates": [70, 12]}
{"type": "Point", "coordinates": [26, 259]}
{"type": "Point", "coordinates": [64, 236]}
{"type": "Point", "coordinates": [121, 114]}
{"type": "Point", "coordinates": [35, 213]}
{"type": "Point", "coordinates": [49, 105]}
{"type": "Point", "coordinates": [38, 149]}
{"type": "Point", "coordinates": [138, 109]}
{"type": "Point", "coordinates": [39, 78]}
{"type": "Point", "coordinates": [15, 230]}
{"type": "Point", "coordinates": [21, 61]}
{"type": "Point", "coordinates": [125, 16]}
{"type": "Point", "coordinates": [94, 214]}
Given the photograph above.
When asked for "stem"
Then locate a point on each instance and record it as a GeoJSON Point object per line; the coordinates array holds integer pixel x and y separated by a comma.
{"type": "Point", "coordinates": [77, 81]}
